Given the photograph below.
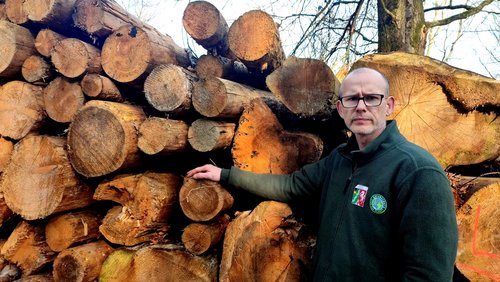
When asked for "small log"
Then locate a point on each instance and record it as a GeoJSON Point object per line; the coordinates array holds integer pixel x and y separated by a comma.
{"type": "Point", "coordinates": [6, 148]}
{"type": "Point", "coordinates": [52, 13]}
{"type": "Point", "coordinates": [208, 135]}
{"type": "Point", "coordinates": [206, 25]}
{"type": "Point", "coordinates": [17, 45]}
{"type": "Point", "coordinates": [168, 88]}
{"type": "Point", "coordinates": [15, 12]}
{"type": "Point", "coordinates": [262, 145]}
{"type": "Point", "coordinates": [5, 212]}
{"type": "Point", "coordinates": [130, 53]}
{"type": "Point", "coordinates": [82, 263]}
{"type": "Point", "coordinates": [45, 41]}
{"type": "Point", "coordinates": [70, 229]}
{"type": "Point", "coordinates": [108, 128]}
{"type": "Point", "coordinates": [21, 109]}
{"type": "Point", "coordinates": [254, 39]}
{"type": "Point", "coordinates": [307, 87]}
{"type": "Point", "coordinates": [199, 237]}
{"type": "Point", "coordinates": [73, 57]}
{"type": "Point", "coordinates": [203, 200]}
{"type": "Point", "coordinates": [100, 87]}
{"type": "Point", "coordinates": [39, 180]}
{"type": "Point", "coordinates": [209, 65]}
{"type": "Point", "coordinates": [63, 99]}
{"type": "Point", "coordinates": [162, 136]}
{"type": "Point", "coordinates": [36, 69]}
{"type": "Point", "coordinates": [26, 247]}
{"type": "Point", "coordinates": [264, 245]}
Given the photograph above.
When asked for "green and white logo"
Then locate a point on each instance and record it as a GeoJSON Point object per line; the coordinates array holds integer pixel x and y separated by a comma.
{"type": "Point", "coordinates": [378, 204]}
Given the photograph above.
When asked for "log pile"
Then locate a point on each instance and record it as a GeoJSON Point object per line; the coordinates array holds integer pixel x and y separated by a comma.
{"type": "Point", "coordinates": [97, 132]}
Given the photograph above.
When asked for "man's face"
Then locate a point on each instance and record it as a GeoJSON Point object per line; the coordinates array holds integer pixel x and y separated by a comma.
{"type": "Point", "coordinates": [366, 123]}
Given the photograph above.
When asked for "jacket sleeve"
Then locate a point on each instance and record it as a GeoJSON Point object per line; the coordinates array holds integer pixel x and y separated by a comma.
{"type": "Point", "coordinates": [427, 231]}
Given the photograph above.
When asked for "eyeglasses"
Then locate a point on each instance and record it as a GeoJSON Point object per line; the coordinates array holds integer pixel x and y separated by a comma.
{"type": "Point", "coordinates": [371, 100]}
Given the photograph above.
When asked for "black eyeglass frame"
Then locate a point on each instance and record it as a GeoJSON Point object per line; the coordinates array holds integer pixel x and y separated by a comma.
{"type": "Point", "coordinates": [382, 96]}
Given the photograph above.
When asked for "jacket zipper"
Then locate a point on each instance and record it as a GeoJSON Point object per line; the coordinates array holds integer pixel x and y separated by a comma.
{"type": "Point", "coordinates": [348, 182]}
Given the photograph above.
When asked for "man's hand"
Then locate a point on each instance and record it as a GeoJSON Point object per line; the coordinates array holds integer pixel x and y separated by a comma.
{"type": "Point", "coordinates": [208, 171]}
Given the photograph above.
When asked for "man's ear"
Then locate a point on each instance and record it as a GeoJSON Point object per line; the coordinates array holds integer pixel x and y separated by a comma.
{"type": "Point", "coordinates": [390, 105]}
{"type": "Point", "coordinates": [340, 109]}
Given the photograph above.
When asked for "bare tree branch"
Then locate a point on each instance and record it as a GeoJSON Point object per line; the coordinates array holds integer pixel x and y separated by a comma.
{"type": "Point", "coordinates": [461, 16]}
{"type": "Point", "coordinates": [449, 7]}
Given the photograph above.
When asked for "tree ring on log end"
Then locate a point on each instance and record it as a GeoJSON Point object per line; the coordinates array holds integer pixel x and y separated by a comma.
{"type": "Point", "coordinates": [201, 20]}
{"type": "Point", "coordinates": [69, 269]}
{"type": "Point", "coordinates": [209, 97]}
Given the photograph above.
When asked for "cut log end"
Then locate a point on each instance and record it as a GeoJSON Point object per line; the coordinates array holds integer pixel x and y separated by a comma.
{"type": "Point", "coordinates": [206, 135]}
{"type": "Point", "coordinates": [162, 136]}
{"type": "Point", "coordinates": [204, 23]}
{"type": "Point", "coordinates": [209, 97]}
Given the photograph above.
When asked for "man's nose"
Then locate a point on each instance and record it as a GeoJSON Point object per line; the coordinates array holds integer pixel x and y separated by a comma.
{"type": "Point", "coordinates": [361, 106]}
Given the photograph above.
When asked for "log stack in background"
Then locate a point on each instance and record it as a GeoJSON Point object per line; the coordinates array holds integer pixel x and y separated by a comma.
{"type": "Point", "coordinates": [97, 132]}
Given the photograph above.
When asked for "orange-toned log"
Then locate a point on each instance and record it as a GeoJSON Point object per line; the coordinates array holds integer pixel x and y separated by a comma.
{"type": "Point", "coordinates": [206, 135]}
{"type": "Point", "coordinates": [6, 148]}
{"type": "Point", "coordinates": [26, 247]}
{"type": "Point", "coordinates": [15, 12]}
{"type": "Point", "coordinates": [103, 137]}
{"type": "Point", "coordinates": [199, 237]}
{"type": "Point", "coordinates": [69, 229]}
{"type": "Point", "coordinates": [163, 136]}
{"type": "Point", "coordinates": [73, 57]}
{"type": "Point", "coordinates": [262, 145]}
{"type": "Point", "coordinates": [82, 263]}
{"type": "Point", "coordinates": [203, 200]}
{"type": "Point", "coordinates": [39, 180]}
{"type": "Point", "coordinates": [8, 270]}
{"type": "Point", "coordinates": [17, 45]}
{"type": "Point", "coordinates": [45, 41]}
{"type": "Point", "coordinates": [36, 69]}
{"type": "Point", "coordinates": [5, 212]}
{"type": "Point", "coordinates": [53, 13]}
{"type": "Point", "coordinates": [42, 277]}
{"type": "Point", "coordinates": [100, 87]}
{"type": "Point", "coordinates": [62, 99]}
{"type": "Point", "coordinates": [21, 109]}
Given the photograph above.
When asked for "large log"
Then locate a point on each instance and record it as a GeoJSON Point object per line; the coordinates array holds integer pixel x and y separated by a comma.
{"type": "Point", "coordinates": [264, 245]}
{"type": "Point", "coordinates": [3, 12]}
{"type": "Point", "coordinates": [56, 13]}
{"type": "Point", "coordinates": [478, 245]}
{"type": "Point", "coordinates": [206, 135]}
{"type": "Point", "coordinates": [163, 136]}
{"type": "Point", "coordinates": [262, 145]}
{"type": "Point", "coordinates": [73, 57]}
{"type": "Point", "coordinates": [17, 44]}
{"type": "Point", "coordinates": [62, 99]}
{"type": "Point", "coordinates": [306, 86]}
{"type": "Point", "coordinates": [435, 107]}
{"type": "Point", "coordinates": [6, 148]}
{"type": "Point", "coordinates": [130, 53]}
{"type": "Point", "coordinates": [21, 109]}
{"type": "Point", "coordinates": [100, 87]}
{"type": "Point", "coordinates": [254, 39]}
{"type": "Point", "coordinates": [45, 41]}
{"type": "Point", "coordinates": [36, 69]}
{"type": "Point", "coordinates": [103, 138]}
{"type": "Point", "coordinates": [200, 237]}
{"type": "Point", "coordinates": [40, 181]}
{"type": "Point", "coordinates": [15, 12]}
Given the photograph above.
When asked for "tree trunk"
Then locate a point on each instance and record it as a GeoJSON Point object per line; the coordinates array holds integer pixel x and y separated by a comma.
{"type": "Point", "coordinates": [36, 69]}
{"type": "Point", "coordinates": [63, 99]}
{"type": "Point", "coordinates": [70, 229]}
{"type": "Point", "coordinates": [262, 145]}
{"type": "Point", "coordinates": [53, 13]}
{"type": "Point", "coordinates": [263, 245]}
{"type": "Point", "coordinates": [45, 41]}
{"type": "Point", "coordinates": [6, 148]}
{"type": "Point", "coordinates": [15, 12]}
{"type": "Point", "coordinates": [203, 200]}
{"type": "Point", "coordinates": [208, 135]}
{"type": "Point", "coordinates": [39, 180]}
{"type": "Point", "coordinates": [163, 136]}
{"type": "Point", "coordinates": [103, 138]}
{"type": "Point", "coordinates": [73, 57]}
{"type": "Point", "coordinates": [200, 237]}
{"type": "Point", "coordinates": [21, 109]}
{"type": "Point", "coordinates": [100, 87]}
{"type": "Point", "coordinates": [17, 44]}
{"type": "Point", "coordinates": [82, 263]}
{"type": "Point", "coordinates": [435, 107]}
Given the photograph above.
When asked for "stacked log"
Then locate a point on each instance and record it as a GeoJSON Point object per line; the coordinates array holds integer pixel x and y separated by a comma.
{"type": "Point", "coordinates": [96, 133]}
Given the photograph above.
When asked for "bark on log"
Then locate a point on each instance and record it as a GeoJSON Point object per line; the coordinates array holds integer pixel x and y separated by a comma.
{"type": "Point", "coordinates": [21, 109]}
{"type": "Point", "coordinates": [199, 237]}
{"type": "Point", "coordinates": [262, 145]}
{"type": "Point", "coordinates": [207, 26]}
{"type": "Point", "coordinates": [102, 138]}
{"type": "Point", "coordinates": [70, 229]}
{"type": "Point", "coordinates": [15, 12]}
{"type": "Point", "coordinates": [203, 200]}
{"type": "Point", "coordinates": [45, 277]}
{"type": "Point", "coordinates": [216, 66]}
{"type": "Point", "coordinates": [130, 53]}
{"type": "Point", "coordinates": [73, 57]}
{"type": "Point", "coordinates": [148, 201]}
{"type": "Point", "coordinates": [263, 245]}
{"type": "Point", "coordinates": [40, 181]}
{"type": "Point", "coordinates": [8, 271]}
{"type": "Point", "coordinates": [36, 69]}
{"type": "Point", "coordinates": [307, 87]}
{"type": "Point", "coordinates": [6, 148]}
{"type": "Point", "coordinates": [208, 135]}
{"type": "Point", "coordinates": [168, 88]}
{"type": "Point", "coordinates": [62, 99]}
{"type": "Point", "coordinates": [163, 136]}
{"type": "Point", "coordinates": [100, 87]}
{"type": "Point", "coordinates": [478, 244]}
{"type": "Point", "coordinates": [82, 263]}
{"type": "Point", "coordinates": [17, 45]}
{"type": "Point", "coordinates": [52, 13]}
{"type": "Point", "coordinates": [158, 263]}
{"type": "Point", "coordinates": [254, 39]}
{"type": "Point", "coordinates": [433, 103]}
{"type": "Point", "coordinates": [45, 41]}
{"type": "Point", "coordinates": [26, 247]}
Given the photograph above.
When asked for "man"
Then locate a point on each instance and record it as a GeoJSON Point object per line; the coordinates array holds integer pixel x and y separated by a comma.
{"type": "Point", "coordinates": [386, 211]}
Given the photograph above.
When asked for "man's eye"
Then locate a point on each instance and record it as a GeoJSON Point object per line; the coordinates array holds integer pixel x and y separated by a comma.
{"type": "Point", "coordinates": [351, 98]}
{"type": "Point", "coordinates": [370, 98]}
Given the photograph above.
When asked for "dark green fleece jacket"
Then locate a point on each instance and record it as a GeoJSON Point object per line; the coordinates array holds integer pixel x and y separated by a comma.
{"type": "Point", "coordinates": [386, 212]}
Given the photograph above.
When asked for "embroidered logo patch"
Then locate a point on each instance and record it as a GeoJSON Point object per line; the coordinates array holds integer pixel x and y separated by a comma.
{"type": "Point", "coordinates": [378, 204]}
{"type": "Point", "coordinates": [359, 195]}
